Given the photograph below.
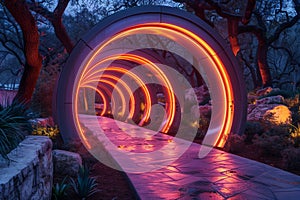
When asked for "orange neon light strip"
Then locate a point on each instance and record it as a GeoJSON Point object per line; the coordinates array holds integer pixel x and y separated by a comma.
{"type": "Point", "coordinates": [102, 96]}
{"type": "Point", "coordinates": [197, 41]}
{"type": "Point", "coordinates": [137, 79]}
{"type": "Point", "coordinates": [131, 108]}
{"type": "Point", "coordinates": [81, 131]}
{"type": "Point", "coordinates": [109, 93]}
{"type": "Point", "coordinates": [228, 117]}
{"type": "Point", "coordinates": [163, 77]}
{"type": "Point", "coordinates": [135, 58]}
{"type": "Point", "coordinates": [118, 91]}
{"type": "Point", "coordinates": [211, 54]}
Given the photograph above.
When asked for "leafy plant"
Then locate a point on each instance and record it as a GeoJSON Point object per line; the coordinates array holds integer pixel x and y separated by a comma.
{"type": "Point", "coordinates": [235, 143]}
{"type": "Point", "coordinates": [291, 158]}
{"type": "Point", "coordinates": [272, 129]}
{"type": "Point", "coordinates": [252, 128]}
{"type": "Point", "coordinates": [294, 106]}
{"type": "Point", "coordinates": [59, 190]}
{"type": "Point", "coordinates": [49, 131]}
{"type": "Point", "coordinates": [13, 127]}
{"type": "Point", "coordinates": [84, 186]}
{"type": "Point", "coordinates": [295, 135]}
{"type": "Point", "coordinates": [203, 127]}
{"type": "Point", "coordinates": [271, 145]}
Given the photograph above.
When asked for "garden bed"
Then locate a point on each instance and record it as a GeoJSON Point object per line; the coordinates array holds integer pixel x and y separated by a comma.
{"type": "Point", "coordinates": [111, 183]}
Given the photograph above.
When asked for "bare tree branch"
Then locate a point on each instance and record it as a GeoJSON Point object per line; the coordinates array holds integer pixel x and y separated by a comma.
{"type": "Point", "coordinates": [286, 25]}
{"type": "Point", "coordinates": [55, 18]}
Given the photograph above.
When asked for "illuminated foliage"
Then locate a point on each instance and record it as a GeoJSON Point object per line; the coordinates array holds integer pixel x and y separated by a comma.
{"type": "Point", "coordinates": [295, 135]}
{"type": "Point", "coordinates": [49, 131]}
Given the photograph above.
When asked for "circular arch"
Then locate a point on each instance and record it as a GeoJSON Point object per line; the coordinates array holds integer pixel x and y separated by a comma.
{"type": "Point", "coordinates": [225, 76]}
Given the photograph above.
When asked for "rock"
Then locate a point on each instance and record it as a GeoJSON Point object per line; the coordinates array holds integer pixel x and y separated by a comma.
{"type": "Point", "coordinates": [256, 112]}
{"type": "Point", "coordinates": [279, 115]}
{"type": "Point", "coordinates": [250, 108]}
{"type": "Point", "coordinates": [251, 98]}
{"type": "Point", "coordinates": [266, 91]}
{"type": "Point", "coordinates": [274, 113]}
{"type": "Point", "coordinates": [66, 162]}
{"type": "Point", "coordinates": [271, 100]}
{"type": "Point", "coordinates": [43, 121]}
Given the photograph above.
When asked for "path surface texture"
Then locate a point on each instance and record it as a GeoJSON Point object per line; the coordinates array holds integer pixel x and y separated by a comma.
{"type": "Point", "coordinates": [177, 172]}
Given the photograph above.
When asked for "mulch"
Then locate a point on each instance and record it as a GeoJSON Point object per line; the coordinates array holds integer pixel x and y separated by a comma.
{"type": "Point", "coordinates": [112, 184]}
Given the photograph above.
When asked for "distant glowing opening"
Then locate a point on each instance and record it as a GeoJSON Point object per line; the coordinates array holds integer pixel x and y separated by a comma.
{"type": "Point", "coordinates": [218, 80]}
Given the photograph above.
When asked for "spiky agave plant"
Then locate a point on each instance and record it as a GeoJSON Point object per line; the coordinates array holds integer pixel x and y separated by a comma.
{"type": "Point", "coordinates": [59, 190]}
{"type": "Point", "coordinates": [295, 134]}
{"type": "Point", "coordinates": [85, 185]}
{"type": "Point", "coordinates": [14, 125]}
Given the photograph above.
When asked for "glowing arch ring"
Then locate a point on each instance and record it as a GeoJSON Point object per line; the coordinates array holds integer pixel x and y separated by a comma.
{"type": "Point", "coordinates": [222, 56]}
{"type": "Point", "coordinates": [128, 90]}
{"type": "Point", "coordinates": [88, 73]}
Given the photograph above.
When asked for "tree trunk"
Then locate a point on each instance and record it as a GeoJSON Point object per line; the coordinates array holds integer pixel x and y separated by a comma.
{"type": "Point", "coordinates": [60, 30]}
{"type": "Point", "coordinates": [62, 35]}
{"type": "Point", "coordinates": [27, 83]}
{"type": "Point", "coordinates": [232, 25]}
{"type": "Point", "coordinates": [20, 11]}
{"type": "Point", "coordinates": [264, 69]}
{"type": "Point", "coordinates": [55, 18]}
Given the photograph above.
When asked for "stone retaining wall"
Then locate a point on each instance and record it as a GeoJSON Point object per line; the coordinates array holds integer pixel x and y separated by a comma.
{"type": "Point", "coordinates": [30, 173]}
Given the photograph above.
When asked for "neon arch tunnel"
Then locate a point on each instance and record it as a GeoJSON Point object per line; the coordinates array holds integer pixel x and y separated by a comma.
{"type": "Point", "coordinates": [141, 61]}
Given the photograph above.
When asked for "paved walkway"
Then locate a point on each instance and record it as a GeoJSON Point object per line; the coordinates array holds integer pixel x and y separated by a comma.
{"type": "Point", "coordinates": [219, 175]}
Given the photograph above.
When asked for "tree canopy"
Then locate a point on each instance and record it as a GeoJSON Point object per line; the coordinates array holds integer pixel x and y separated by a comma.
{"type": "Point", "coordinates": [262, 34]}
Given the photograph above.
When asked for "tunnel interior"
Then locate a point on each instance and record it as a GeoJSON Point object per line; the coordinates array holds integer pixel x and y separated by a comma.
{"type": "Point", "coordinates": [157, 68]}
{"type": "Point", "coordinates": [143, 96]}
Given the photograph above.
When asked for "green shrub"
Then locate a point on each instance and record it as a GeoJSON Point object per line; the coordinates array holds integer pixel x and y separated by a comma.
{"type": "Point", "coordinates": [14, 125]}
{"type": "Point", "coordinates": [295, 135]}
{"type": "Point", "coordinates": [235, 143]}
{"type": "Point", "coordinates": [84, 186]}
{"type": "Point", "coordinates": [203, 127]}
{"type": "Point", "coordinates": [59, 190]}
{"type": "Point", "coordinates": [282, 130]}
{"type": "Point", "coordinates": [271, 145]}
{"type": "Point", "coordinates": [252, 129]}
{"type": "Point", "coordinates": [294, 106]}
{"type": "Point", "coordinates": [291, 158]}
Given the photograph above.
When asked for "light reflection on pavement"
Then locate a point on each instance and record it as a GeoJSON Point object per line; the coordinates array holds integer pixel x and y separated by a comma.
{"type": "Point", "coordinates": [219, 175]}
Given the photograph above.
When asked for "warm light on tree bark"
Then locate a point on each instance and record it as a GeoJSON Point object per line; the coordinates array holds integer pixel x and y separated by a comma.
{"type": "Point", "coordinates": [20, 11]}
{"type": "Point", "coordinates": [55, 18]}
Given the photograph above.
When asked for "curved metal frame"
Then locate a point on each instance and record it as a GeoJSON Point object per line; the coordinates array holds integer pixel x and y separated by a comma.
{"type": "Point", "coordinates": [136, 17]}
